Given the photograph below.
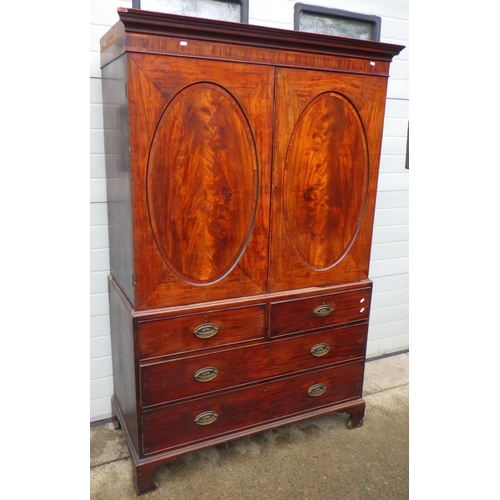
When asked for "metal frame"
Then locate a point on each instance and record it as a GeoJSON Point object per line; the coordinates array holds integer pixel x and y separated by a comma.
{"type": "Point", "coordinates": [375, 21]}
{"type": "Point", "coordinates": [136, 4]}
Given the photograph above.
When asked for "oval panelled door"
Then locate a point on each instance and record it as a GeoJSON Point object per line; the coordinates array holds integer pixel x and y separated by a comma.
{"type": "Point", "coordinates": [202, 183]}
{"type": "Point", "coordinates": [325, 182]}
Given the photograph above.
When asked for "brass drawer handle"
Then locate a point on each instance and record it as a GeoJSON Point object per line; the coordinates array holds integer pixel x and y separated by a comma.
{"type": "Point", "coordinates": [323, 310]}
{"type": "Point", "coordinates": [206, 374]}
{"type": "Point", "coordinates": [316, 389]}
{"type": "Point", "coordinates": [206, 418]}
{"type": "Point", "coordinates": [205, 331]}
{"type": "Point", "coordinates": [320, 350]}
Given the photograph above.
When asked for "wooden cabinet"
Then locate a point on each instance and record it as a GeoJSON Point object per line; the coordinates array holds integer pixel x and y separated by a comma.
{"type": "Point", "coordinates": [242, 167]}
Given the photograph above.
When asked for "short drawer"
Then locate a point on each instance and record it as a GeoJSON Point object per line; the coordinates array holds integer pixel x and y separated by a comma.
{"type": "Point", "coordinates": [320, 311]}
{"type": "Point", "coordinates": [198, 331]}
{"type": "Point", "coordinates": [196, 375]}
{"type": "Point", "coordinates": [211, 416]}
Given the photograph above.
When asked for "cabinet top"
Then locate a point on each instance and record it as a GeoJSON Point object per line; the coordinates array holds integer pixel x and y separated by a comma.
{"type": "Point", "coordinates": [156, 24]}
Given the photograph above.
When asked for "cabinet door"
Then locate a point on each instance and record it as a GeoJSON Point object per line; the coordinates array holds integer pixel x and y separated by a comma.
{"type": "Point", "coordinates": [200, 158]}
{"type": "Point", "coordinates": [326, 160]}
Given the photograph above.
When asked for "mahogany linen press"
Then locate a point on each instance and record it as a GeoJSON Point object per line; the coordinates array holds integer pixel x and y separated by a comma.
{"type": "Point", "coordinates": [242, 165]}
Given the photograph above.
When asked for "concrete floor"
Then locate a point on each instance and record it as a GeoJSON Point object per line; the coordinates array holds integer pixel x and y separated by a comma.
{"type": "Point", "coordinates": [317, 459]}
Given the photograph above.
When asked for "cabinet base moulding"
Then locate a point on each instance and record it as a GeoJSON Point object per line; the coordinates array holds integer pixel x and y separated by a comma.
{"type": "Point", "coordinates": [144, 469]}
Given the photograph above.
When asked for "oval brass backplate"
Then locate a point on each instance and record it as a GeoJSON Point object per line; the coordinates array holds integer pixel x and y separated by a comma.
{"type": "Point", "coordinates": [206, 330]}
{"type": "Point", "coordinates": [316, 389]}
{"type": "Point", "coordinates": [206, 418]}
{"type": "Point", "coordinates": [320, 350]}
{"type": "Point", "coordinates": [323, 310]}
{"type": "Point", "coordinates": [206, 374]}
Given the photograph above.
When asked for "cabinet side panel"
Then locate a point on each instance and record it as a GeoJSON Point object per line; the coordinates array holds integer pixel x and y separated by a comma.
{"type": "Point", "coordinates": [116, 143]}
{"type": "Point", "coordinates": [122, 345]}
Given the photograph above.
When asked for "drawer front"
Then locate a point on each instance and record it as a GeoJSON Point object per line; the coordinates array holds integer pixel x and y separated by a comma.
{"type": "Point", "coordinates": [318, 312]}
{"type": "Point", "coordinates": [208, 417]}
{"type": "Point", "coordinates": [199, 331]}
{"type": "Point", "coordinates": [195, 375]}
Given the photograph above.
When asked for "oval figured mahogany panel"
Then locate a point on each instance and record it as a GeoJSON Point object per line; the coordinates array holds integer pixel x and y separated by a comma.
{"type": "Point", "coordinates": [202, 183]}
{"type": "Point", "coordinates": [325, 181]}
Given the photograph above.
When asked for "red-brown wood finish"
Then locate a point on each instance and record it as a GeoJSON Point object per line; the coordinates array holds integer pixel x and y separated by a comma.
{"type": "Point", "coordinates": [233, 325]}
{"type": "Point", "coordinates": [296, 315]}
{"type": "Point", "coordinates": [202, 208]}
{"type": "Point", "coordinates": [175, 425]}
{"type": "Point", "coordinates": [327, 157]}
{"type": "Point", "coordinates": [201, 212]}
{"type": "Point", "coordinates": [242, 166]}
{"type": "Point", "coordinates": [176, 379]}
{"type": "Point", "coordinates": [325, 176]}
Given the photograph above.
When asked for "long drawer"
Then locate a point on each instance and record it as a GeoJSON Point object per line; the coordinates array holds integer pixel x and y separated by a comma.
{"type": "Point", "coordinates": [198, 331]}
{"type": "Point", "coordinates": [211, 416]}
{"type": "Point", "coordinates": [190, 376]}
{"type": "Point", "coordinates": [321, 311]}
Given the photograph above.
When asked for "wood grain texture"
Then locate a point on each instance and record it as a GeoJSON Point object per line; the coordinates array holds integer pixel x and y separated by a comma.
{"type": "Point", "coordinates": [118, 188]}
{"type": "Point", "coordinates": [146, 25]}
{"type": "Point", "coordinates": [175, 425]}
{"type": "Point", "coordinates": [325, 177]}
{"type": "Point", "coordinates": [246, 185]}
{"type": "Point", "coordinates": [125, 375]}
{"type": "Point", "coordinates": [325, 181]}
{"type": "Point", "coordinates": [176, 335]}
{"type": "Point", "coordinates": [292, 316]}
{"type": "Point", "coordinates": [172, 380]}
{"type": "Point", "coordinates": [202, 183]}
{"type": "Point", "coordinates": [199, 152]}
